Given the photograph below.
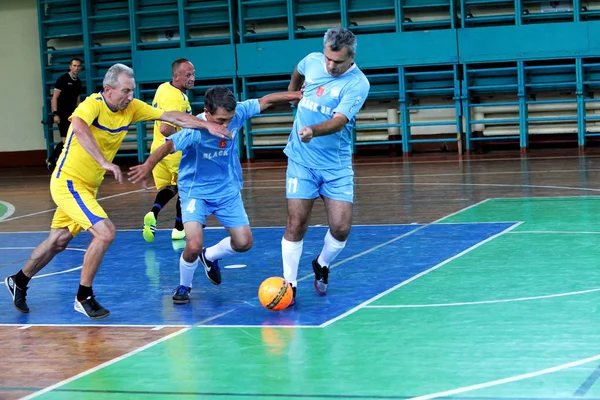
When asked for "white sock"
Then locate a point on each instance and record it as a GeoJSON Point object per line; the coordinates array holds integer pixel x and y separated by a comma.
{"type": "Point", "coordinates": [220, 250]}
{"type": "Point", "coordinates": [291, 252]}
{"type": "Point", "coordinates": [186, 271]}
{"type": "Point", "coordinates": [331, 249]}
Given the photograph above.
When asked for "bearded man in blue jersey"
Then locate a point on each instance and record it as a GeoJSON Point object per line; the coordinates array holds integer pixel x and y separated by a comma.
{"type": "Point", "coordinates": [210, 181]}
{"type": "Point", "coordinates": [319, 151]}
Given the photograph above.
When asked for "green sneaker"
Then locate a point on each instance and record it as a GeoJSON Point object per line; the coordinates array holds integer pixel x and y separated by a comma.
{"type": "Point", "coordinates": [149, 227]}
{"type": "Point", "coordinates": [177, 235]}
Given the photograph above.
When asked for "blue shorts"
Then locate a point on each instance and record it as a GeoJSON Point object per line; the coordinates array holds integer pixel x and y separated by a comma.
{"type": "Point", "coordinates": [229, 211]}
{"type": "Point", "coordinates": [307, 183]}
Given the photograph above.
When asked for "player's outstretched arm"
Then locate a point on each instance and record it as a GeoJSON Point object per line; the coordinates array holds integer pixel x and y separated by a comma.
{"type": "Point", "coordinates": [296, 81]}
{"type": "Point", "coordinates": [84, 136]}
{"type": "Point", "coordinates": [189, 121]}
{"type": "Point", "coordinates": [279, 97]}
{"type": "Point", "coordinates": [142, 172]}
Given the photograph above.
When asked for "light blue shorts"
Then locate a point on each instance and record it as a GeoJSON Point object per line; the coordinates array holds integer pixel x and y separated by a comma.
{"type": "Point", "coordinates": [229, 211]}
{"type": "Point", "coordinates": [307, 183]}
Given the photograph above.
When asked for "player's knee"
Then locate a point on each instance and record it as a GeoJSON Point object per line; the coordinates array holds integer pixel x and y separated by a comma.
{"type": "Point", "coordinates": [107, 235]}
{"type": "Point", "coordinates": [340, 232]}
{"type": "Point", "coordinates": [61, 243]}
{"type": "Point", "coordinates": [242, 245]}
{"type": "Point", "coordinates": [193, 246]}
{"type": "Point", "coordinates": [61, 240]}
{"type": "Point", "coordinates": [296, 225]}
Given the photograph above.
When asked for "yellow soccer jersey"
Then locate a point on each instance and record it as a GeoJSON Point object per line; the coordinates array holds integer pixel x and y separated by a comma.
{"type": "Point", "coordinates": [168, 98]}
{"type": "Point", "coordinates": [109, 128]}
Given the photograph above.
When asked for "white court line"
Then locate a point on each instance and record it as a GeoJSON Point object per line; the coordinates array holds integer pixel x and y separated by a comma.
{"type": "Point", "coordinates": [51, 273]}
{"type": "Point", "coordinates": [472, 303]}
{"type": "Point", "coordinates": [459, 160]}
{"type": "Point", "coordinates": [406, 282]}
{"type": "Point", "coordinates": [54, 209]}
{"type": "Point", "coordinates": [311, 275]}
{"type": "Point", "coordinates": [58, 272]}
{"type": "Point", "coordinates": [106, 364]}
{"type": "Point", "coordinates": [10, 210]}
{"type": "Point", "coordinates": [452, 184]}
{"type": "Point", "coordinates": [100, 326]}
{"type": "Point", "coordinates": [32, 248]}
{"type": "Point", "coordinates": [516, 172]}
{"type": "Point", "coordinates": [461, 210]}
{"type": "Point", "coordinates": [556, 233]}
{"type": "Point", "coordinates": [311, 226]}
{"type": "Point", "coordinates": [258, 326]}
{"type": "Point", "coordinates": [508, 380]}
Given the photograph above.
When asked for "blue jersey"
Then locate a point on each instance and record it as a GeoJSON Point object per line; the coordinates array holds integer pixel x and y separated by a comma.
{"type": "Point", "coordinates": [325, 95]}
{"type": "Point", "coordinates": [210, 167]}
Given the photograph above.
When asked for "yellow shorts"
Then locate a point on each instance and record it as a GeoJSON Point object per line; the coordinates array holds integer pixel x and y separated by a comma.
{"type": "Point", "coordinates": [165, 173]}
{"type": "Point", "coordinates": [77, 205]}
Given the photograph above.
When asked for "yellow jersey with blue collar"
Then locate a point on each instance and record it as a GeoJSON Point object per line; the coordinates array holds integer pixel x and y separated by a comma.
{"type": "Point", "coordinates": [109, 127]}
{"type": "Point", "coordinates": [169, 98]}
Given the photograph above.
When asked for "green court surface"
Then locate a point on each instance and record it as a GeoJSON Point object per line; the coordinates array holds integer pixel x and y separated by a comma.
{"type": "Point", "coordinates": [514, 317]}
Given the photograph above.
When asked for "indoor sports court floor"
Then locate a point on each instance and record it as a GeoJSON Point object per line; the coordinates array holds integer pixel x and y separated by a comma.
{"type": "Point", "coordinates": [472, 279]}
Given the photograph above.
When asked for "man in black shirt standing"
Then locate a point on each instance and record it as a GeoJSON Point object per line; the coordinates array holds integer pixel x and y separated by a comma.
{"type": "Point", "coordinates": [65, 99]}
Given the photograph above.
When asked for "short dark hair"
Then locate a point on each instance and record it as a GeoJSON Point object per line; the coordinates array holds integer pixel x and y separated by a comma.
{"type": "Point", "coordinates": [75, 59]}
{"type": "Point", "coordinates": [219, 97]}
{"type": "Point", "coordinates": [177, 63]}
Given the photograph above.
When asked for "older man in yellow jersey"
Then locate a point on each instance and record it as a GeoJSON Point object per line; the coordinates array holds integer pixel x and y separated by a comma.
{"type": "Point", "coordinates": [98, 126]}
{"type": "Point", "coordinates": [170, 96]}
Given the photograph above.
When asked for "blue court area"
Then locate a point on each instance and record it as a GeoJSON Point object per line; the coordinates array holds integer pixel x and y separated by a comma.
{"type": "Point", "coordinates": [136, 279]}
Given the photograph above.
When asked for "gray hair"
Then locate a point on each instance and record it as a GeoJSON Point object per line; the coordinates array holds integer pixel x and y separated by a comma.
{"type": "Point", "coordinates": [111, 78]}
{"type": "Point", "coordinates": [337, 38]}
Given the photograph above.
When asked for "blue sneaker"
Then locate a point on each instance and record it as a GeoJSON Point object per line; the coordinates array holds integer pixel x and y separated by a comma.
{"type": "Point", "coordinates": [321, 277]}
{"type": "Point", "coordinates": [211, 269]}
{"type": "Point", "coordinates": [181, 294]}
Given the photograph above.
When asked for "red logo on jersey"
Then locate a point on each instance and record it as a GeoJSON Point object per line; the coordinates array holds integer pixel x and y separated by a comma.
{"type": "Point", "coordinates": [222, 144]}
{"type": "Point", "coordinates": [320, 91]}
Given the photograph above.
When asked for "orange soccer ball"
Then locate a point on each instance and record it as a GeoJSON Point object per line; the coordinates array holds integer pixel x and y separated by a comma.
{"type": "Point", "coordinates": [275, 293]}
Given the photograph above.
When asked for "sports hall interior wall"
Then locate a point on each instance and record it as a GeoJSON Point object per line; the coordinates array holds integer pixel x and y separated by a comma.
{"type": "Point", "coordinates": [453, 76]}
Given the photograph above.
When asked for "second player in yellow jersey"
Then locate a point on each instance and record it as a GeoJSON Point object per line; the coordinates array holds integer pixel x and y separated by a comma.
{"type": "Point", "coordinates": [170, 96]}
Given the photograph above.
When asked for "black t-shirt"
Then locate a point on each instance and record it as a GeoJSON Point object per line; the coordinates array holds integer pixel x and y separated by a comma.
{"type": "Point", "coordinates": [70, 89]}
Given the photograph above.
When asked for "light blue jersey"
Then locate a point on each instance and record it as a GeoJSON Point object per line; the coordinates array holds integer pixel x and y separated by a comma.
{"type": "Point", "coordinates": [210, 167]}
{"type": "Point", "coordinates": [325, 95]}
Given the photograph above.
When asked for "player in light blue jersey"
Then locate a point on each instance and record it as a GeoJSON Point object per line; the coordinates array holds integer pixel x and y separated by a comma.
{"type": "Point", "coordinates": [210, 180]}
{"type": "Point", "coordinates": [319, 151]}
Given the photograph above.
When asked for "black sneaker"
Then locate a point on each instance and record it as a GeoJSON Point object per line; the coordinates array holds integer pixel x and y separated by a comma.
{"type": "Point", "coordinates": [294, 296]}
{"type": "Point", "coordinates": [181, 294]}
{"type": "Point", "coordinates": [211, 269]}
{"type": "Point", "coordinates": [18, 294]}
{"type": "Point", "coordinates": [91, 308]}
{"type": "Point", "coordinates": [321, 275]}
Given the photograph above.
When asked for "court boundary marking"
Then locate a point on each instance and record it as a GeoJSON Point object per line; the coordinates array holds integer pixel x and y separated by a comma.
{"type": "Point", "coordinates": [473, 303]}
{"type": "Point", "coordinates": [510, 379]}
{"type": "Point", "coordinates": [10, 210]}
{"type": "Point", "coordinates": [419, 275]}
